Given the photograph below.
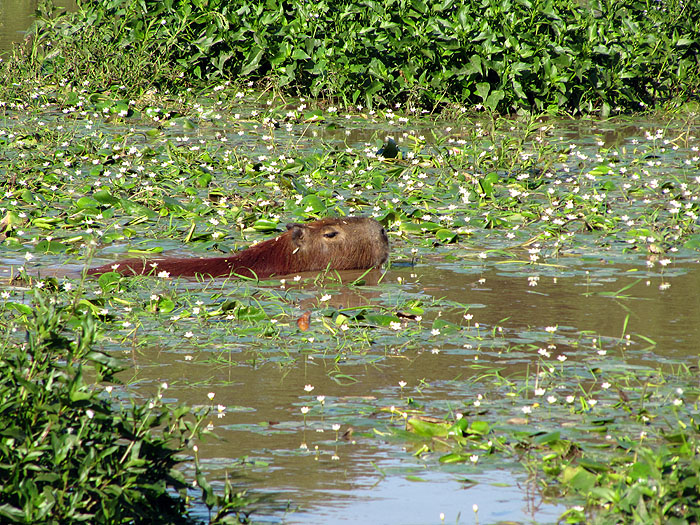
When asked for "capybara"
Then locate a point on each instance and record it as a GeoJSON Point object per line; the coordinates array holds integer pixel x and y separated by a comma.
{"type": "Point", "coordinates": [351, 243]}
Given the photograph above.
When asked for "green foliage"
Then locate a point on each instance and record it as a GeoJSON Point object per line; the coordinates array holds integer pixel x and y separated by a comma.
{"type": "Point", "coordinates": [645, 470]}
{"type": "Point", "coordinates": [602, 55]}
{"type": "Point", "coordinates": [67, 453]}
{"type": "Point", "coordinates": [644, 484]}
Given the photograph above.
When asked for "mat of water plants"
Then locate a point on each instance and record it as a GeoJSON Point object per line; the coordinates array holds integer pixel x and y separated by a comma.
{"type": "Point", "coordinates": [528, 353]}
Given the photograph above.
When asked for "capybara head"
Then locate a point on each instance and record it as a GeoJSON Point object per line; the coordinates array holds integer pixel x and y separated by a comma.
{"type": "Point", "coordinates": [341, 244]}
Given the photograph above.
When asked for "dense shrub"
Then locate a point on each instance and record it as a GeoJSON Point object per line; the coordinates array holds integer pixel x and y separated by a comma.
{"type": "Point", "coordinates": [69, 453]}
{"type": "Point", "coordinates": [567, 55]}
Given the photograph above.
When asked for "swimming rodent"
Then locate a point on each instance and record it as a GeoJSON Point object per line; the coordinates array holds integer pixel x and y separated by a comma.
{"type": "Point", "coordinates": [349, 243]}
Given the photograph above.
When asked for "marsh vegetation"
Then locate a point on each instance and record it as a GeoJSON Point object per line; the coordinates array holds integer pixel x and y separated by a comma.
{"type": "Point", "coordinates": [535, 325]}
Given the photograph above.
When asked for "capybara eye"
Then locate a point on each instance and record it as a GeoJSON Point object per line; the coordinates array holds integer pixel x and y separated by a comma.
{"type": "Point", "coordinates": [330, 235]}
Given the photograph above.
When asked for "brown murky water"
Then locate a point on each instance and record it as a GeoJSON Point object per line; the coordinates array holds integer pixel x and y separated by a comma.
{"type": "Point", "coordinates": [344, 481]}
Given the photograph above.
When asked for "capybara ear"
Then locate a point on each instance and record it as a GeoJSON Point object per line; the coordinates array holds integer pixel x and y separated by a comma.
{"type": "Point", "coordinates": [297, 231]}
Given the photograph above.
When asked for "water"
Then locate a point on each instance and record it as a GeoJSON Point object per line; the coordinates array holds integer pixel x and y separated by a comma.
{"type": "Point", "coordinates": [16, 17]}
{"type": "Point", "coordinates": [594, 292]}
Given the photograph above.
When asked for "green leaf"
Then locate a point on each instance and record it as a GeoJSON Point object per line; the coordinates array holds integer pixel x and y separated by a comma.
{"type": "Point", "coordinates": [381, 319]}
{"type": "Point", "coordinates": [136, 210]}
{"type": "Point", "coordinates": [693, 242]}
{"type": "Point", "coordinates": [265, 225]}
{"type": "Point", "coordinates": [300, 54]}
{"type": "Point", "coordinates": [454, 457]}
{"type": "Point", "coordinates": [446, 236]}
{"type": "Point", "coordinates": [487, 182]}
{"type": "Point", "coordinates": [252, 60]}
{"type": "Point", "coordinates": [84, 203]}
{"type": "Point", "coordinates": [21, 308]}
{"type": "Point", "coordinates": [429, 430]}
{"type": "Point", "coordinates": [52, 246]}
{"type": "Point", "coordinates": [483, 89]}
{"type": "Point", "coordinates": [104, 197]}
{"type": "Point", "coordinates": [578, 478]}
{"type": "Point", "coordinates": [479, 427]}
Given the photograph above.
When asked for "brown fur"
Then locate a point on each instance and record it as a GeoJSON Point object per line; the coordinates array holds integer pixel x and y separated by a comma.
{"type": "Point", "coordinates": [351, 243]}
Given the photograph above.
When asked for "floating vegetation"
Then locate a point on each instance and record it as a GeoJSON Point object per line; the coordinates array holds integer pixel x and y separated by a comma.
{"type": "Point", "coordinates": [537, 313]}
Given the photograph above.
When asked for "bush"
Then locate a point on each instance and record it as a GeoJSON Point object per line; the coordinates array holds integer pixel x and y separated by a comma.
{"type": "Point", "coordinates": [67, 453]}
{"type": "Point", "coordinates": [561, 55]}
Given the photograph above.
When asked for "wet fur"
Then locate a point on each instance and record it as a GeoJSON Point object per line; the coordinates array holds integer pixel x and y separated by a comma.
{"type": "Point", "coordinates": [339, 244]}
